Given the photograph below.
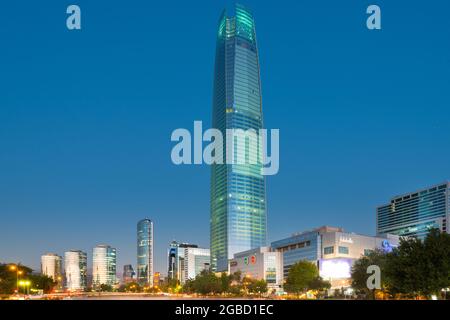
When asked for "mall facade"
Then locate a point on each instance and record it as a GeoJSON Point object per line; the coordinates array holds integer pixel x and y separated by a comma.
{"type": "Point", "coordinates": [261, 263]}
{"type": "Point", "coordinates": [332, 249]}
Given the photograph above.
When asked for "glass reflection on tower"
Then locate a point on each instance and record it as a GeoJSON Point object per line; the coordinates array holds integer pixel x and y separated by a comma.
{"type": "Point", "coordinates": [145, 252]}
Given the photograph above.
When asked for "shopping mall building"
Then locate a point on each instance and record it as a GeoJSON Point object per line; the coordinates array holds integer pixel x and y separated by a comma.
{"type": "Point", "coordinates": [332, 249]}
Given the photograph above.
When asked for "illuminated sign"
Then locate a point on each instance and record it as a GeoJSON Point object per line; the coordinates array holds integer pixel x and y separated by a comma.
{"type": "Point", "coordinates": [335, 268]}
{"type": "Point", "coordinates": [387, 247]}
{"type": "Point", "coordinates": [250, 260]}
{"type": "Point", "coordinates": [346, 239]}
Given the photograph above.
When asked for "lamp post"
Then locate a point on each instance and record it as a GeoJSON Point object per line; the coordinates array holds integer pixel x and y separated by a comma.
{"type": "Point", "coordinates": [18, 272]}
{"type": "Point", "coordinates": [26, 284]}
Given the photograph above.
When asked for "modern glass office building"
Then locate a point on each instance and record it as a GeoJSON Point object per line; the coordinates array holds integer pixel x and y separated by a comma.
{"type": "Point", "coordinates": [104, 262]}
{"type": "Point", "coordinates": [75, 267]}
{"type": "Point", "coordinates": [415, 213]}
{"type": "Point", "coordinates": [128, 274]}
{"type": "Point", "coordinates": [186, 261]}
{"type": "Point", "coordinates": [145, 252]}
{"type": "Point", "coordinates": [238, 197]}
{"type": "Point", "coordinates": [51, 266]}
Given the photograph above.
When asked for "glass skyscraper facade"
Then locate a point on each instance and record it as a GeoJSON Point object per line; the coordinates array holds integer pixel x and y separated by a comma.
{"type": "Point", "coordinates": [145, 252]}
{"type": "Point", "coordinates": [75, 267]}
{"type": "Point", "coordinates": [104, 262]}
{"type": "Point", "coordinates": [415, 213]}
{"type": "Point", "coordinates": [238, 196]}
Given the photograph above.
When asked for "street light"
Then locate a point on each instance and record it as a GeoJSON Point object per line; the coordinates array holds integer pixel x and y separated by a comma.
{"type": "Point", "coordinates": [26, 284]}
{"type": "Point", "coordinates": [15, 268]}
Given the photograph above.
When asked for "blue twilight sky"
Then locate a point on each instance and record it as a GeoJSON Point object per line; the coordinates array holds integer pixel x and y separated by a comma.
{"type": "Point", "coordinates": [86, 117]}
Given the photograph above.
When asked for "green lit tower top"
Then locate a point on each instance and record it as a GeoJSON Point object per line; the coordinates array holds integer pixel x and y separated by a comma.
{"type": "Point", "coordinates": [238, 195]}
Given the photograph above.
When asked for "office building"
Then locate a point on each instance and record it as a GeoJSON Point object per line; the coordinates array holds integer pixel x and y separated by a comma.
{"type": "Point", "coordinates": [416, 213]}
{"type": "Point", "coordinates": [332, 249]}
{"type": "Point", "coordinates": [104, 262]}
{"type": "Point", "coordinates": [75, 267]}
{"type": "Point", "coordinates": [238, 197]}
{"type": "Point", "coordinates": [186, 261]}
{"type": "Point", "coordinates": [51, 266]}
{"type": "Point", "coordinates": [145, 252]}
{"type": "Point", "coordinates": [128, 274]}
{"type": "Point", "coordinates": [261, 264]}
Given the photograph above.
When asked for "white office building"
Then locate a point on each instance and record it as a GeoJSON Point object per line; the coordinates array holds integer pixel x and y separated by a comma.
{"type": "Point", "coordinates": [104, 262]}
{"type": "Point", "coordinates": [75, 267]}
{"type": "Point", "coordinates": [51, 266]}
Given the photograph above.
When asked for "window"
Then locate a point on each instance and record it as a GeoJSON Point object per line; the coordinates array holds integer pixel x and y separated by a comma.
{"type": "Point", "coordinates": [343, 250]}
{"type": "Point", "coordinates": [328, 250]}
{"type": "Point", "coordinates": [367, 252]}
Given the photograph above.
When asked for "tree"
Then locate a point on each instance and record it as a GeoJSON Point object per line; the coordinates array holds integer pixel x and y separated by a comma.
{"type": "Point", "coordinates": [42, 282]}
{"type": "Point", "coordinates": [359, 273]}
{"type": "Point", "coordinates": [207, 283]}
{"type": "Point", "coordinates": [8, 279]}
{"type": "Point", "coordinates": [415, 268]}
{"type": "Point", "coordinates": [225, 281]}
{"type": "Point", "coordinates": [420, 268]}
{"type": "Point", "coordinates": [319, 284]}
{"type": "Point", "coordinates": [258, 286]}
{"type": "Point", "coordinates": [133, 287]}
{"type": "Point", "coordinates": [105, 288]}
{"type": "Point", "coordinates": [300, 277]}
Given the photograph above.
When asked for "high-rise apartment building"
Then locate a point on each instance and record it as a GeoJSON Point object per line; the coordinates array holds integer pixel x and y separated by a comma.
{"type": "Point", "coordinates": [416, 213]}
{"type": "Point", "coordinates": [145, 252]}
{"type": "Point", "coordinates": [75, 266]}
{"type": "Point", "coordinates": [104, 262]}
{"type": "Point", "coordinates": [238, 197]}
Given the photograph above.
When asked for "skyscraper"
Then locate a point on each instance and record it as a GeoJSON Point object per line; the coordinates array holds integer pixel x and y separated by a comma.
{"type": "Point", "coordinates": [51, 266]}
{"type": "Point", "coordinates": [75, 263]}
{"type": "Point", "coordinates": [415, 213]}
{"type": "Point", "coordinates": [103, 266]}
{"type": "Point", "coordinates": [238, 196]}
{"type": "Point", "coordinates": [145, 252]}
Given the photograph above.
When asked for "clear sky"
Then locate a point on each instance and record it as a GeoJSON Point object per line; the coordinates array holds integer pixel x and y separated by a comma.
{"type": "Point", "coordinates": [86, 117]}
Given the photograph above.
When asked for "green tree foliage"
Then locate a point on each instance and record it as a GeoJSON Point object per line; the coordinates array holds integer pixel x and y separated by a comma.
{"type": "Point", "coordinates": [415, 268]}
{"type": "Point", "coordinates": [300, 277]}
{"type": "Point", "coordinates": [42, 282]}
{"type": "Point", "coordinates": [9, 276]}
{"type": "Point", "coordinates": [207, 283]}
{"type": "Point", "coordinates": [420, 268]}
{"type": "Point", "coordinates": [105, 288]}
{"type": "Point", "coordinates": [257, 286]}
{"type": "Point", "coordinates": [359, 273]}
{"type": "Point", "coordinates": [319, 284]}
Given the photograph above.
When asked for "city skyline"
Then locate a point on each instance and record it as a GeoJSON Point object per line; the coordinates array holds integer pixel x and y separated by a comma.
{"type": "Point", "coordinates": [97, 148]}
